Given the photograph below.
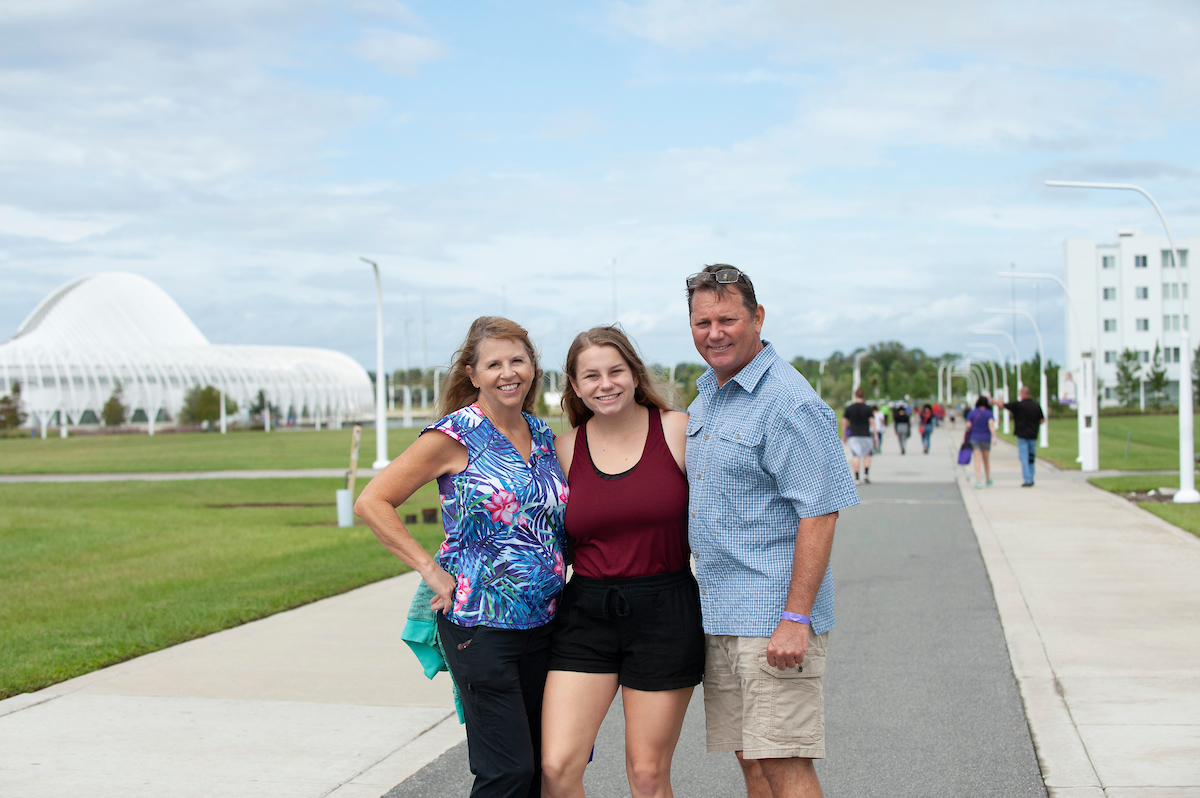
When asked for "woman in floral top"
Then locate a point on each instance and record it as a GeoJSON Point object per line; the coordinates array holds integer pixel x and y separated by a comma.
{"type": "Point", "coordinates": [500, 571]}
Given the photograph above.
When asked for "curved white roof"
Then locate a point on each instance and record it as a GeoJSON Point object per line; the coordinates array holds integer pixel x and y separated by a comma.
{"type": "Point", "coordinates": [115, 327]}
{"type": "Point", "coordinates": [119, 308]}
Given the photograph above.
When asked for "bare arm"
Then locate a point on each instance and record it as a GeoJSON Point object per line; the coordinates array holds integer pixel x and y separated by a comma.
{"type": "Point", "coordinates": [814, 541]}
{"type": "Point", "coordinates": [431, 456]}
{"type": "Point", "coordinates": [564, 450]}
{"type": "Point", "coordinates": [675, 431]}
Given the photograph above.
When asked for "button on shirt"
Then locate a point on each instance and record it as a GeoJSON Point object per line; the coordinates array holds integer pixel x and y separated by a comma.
{"type": "Point", "coordinates": [762, 452]}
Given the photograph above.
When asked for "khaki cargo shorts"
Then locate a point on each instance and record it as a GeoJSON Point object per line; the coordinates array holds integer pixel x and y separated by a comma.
{"type": "Point", "coordinates": [759, 710]}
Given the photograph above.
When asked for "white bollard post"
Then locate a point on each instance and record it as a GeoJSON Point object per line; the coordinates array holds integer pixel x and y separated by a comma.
{"type": "Point", "coordinates": [222, 412]}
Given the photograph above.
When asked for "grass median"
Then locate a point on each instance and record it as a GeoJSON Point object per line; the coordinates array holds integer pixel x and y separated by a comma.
{"type": "Point", "coordinates": [1153, 443]}
{"type": "Point", "coordinates": [1184, 516]}
{"type": "Point", "coordinates": [97, 573]}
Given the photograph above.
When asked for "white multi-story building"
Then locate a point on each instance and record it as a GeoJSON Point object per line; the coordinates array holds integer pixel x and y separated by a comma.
{"type": "Point", "coordinates": [1129, 295]}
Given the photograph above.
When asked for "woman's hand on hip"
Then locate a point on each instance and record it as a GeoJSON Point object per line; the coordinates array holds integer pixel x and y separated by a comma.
{"type": "Point", "coordinates": [443, 584]}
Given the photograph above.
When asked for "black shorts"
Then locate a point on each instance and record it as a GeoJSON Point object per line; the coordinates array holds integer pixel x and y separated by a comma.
{"type": "Point", "coordinates": [645, 629]}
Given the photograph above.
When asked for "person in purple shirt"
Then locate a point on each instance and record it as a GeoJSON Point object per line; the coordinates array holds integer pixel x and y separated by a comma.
{"type": "Point", "coordinates": [981, 430]}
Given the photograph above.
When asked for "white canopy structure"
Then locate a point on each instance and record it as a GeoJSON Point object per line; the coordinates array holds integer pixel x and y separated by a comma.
{"type": "Point", "coordinates": [115, 327]}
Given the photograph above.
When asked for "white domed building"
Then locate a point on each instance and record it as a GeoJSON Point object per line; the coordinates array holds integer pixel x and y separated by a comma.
{"type": "Point", "coordinates": [115, 327]}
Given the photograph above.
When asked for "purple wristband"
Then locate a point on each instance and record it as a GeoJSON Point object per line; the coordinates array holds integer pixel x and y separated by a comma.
{"type": "Point", "coordinates": [797, 617]}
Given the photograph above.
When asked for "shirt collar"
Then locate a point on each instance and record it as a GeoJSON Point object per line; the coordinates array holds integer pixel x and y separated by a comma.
{"type": "Point", "coordinates": [750, 375]}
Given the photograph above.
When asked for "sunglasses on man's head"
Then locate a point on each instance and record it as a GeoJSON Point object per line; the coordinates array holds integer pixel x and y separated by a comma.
{"type": "Point", "coordinates": [722, 276]}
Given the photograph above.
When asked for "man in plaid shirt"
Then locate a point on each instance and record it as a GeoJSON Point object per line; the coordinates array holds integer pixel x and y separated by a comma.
{"type": "Point", "coordinates": [767, 477]}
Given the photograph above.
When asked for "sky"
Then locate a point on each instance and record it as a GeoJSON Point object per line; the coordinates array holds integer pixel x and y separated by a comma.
{"type": "Point", "coordinates": [870, 165]}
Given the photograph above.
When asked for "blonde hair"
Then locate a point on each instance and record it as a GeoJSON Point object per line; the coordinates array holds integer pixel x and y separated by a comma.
{"type": "Point", "coordinates": [460, 392]}
{"type": "Point", "coordinates": [649, 390]}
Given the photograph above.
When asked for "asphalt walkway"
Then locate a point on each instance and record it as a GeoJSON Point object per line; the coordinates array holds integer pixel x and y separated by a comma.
{"type": "Point", "coordinates": [1098, 602]}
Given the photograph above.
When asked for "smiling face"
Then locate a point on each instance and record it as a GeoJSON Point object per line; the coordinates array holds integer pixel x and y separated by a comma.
{"type": "Point", "coordinates": [604, 381]}
{"type": "Point", "coordinates": [726, 334]}
{"type": "Point", "coordinates": [503, 374]}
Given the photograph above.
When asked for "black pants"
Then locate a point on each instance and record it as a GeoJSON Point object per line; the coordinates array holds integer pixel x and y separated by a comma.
{"type": "Point", "coordinates": [501, 674]}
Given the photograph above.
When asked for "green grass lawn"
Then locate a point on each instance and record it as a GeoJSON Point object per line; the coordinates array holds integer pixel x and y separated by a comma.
{"type": "Point", "coordinates": [1154, 446]}
{"type": "Point", "coordinates": [194, 451]}
{"type": "Point", "coordinates": [93, 574]}
{"type": "Point", "coordinates": [1184, 516]}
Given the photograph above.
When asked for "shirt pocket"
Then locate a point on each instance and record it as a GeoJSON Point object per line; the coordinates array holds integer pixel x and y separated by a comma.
{"type": "Point", "coordinates": [737, 456]}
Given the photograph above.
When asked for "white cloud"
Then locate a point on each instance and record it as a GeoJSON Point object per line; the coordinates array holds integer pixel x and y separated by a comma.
{"type": "Point", "coordinates": [63, 229]}
{"type": "Point", "coordinates": [397, 52]}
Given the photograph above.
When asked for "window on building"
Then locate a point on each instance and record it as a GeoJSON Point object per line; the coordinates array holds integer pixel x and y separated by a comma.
{"type": "Point", "coordinates": [1175, 321]}
{"type": "Point", "coordinates": [1141, 292]}
{"type": "Point", "coordinates": [1144, 355]}
{"type": "Point", "coordinates": [1142, 325]}
{"type": "Point", "coordinates": [1139, 261]}
{"type": "Point", "coordinates": [1108, 262]}
{"type": "Point", "coordinates": [1108, 393]}
{"type": "Point", "coordinates": [1110, 356]}
{"type": "Point", "coordinates": [1166, 321]}
{"type": "Point", "coordinates": [1110, 293]}
{"type": "Point", "coordinates": [1180, 258]}
{"type": "Point", "coordinates": [1171, 290]}
{"type": "Point", "coordinates": [1183, 287]}
{"type": "Point", "coordinates": [1176, 351]}
{"type": "Point", "coordinates": [1110, 325]}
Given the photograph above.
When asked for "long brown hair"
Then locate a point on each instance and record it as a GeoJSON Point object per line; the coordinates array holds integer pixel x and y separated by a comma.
{"type": "Point", "coordinates": [648, 392]}
{"type": "Point", "coordinates": [459, 391]}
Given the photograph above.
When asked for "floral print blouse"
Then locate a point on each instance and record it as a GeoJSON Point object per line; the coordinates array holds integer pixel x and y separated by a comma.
{"type": "Point", "coordinates": [505, 536]}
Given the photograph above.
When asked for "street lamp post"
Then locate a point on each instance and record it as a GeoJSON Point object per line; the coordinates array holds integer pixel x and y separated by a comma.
{"type": "Point", "coordinates": [857, 373]}
{"type": "Point", "coordinates": [1004, 373]}
{"type": "Point", "coordinates": [1087, 404]}
{"type": "Point", "coordinates": [1044, 429]}
{"type": "Point", "coordinates": [1187, 444]}
{"type": "Point", "coordinates": [381, 442]}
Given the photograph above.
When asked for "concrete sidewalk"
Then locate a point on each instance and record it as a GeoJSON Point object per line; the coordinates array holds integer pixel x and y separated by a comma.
{"type": "Point", "coordinates": [324, 700]}
{"type": "Point", "coordinates": [1100, 603]}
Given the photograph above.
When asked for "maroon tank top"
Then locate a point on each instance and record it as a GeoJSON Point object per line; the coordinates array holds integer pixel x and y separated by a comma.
{"type": "Point", "coordinates": [630, 524]}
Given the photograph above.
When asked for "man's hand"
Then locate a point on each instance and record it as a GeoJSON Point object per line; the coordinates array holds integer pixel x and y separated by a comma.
{"type": "Point", "coordinates": [788, 644]}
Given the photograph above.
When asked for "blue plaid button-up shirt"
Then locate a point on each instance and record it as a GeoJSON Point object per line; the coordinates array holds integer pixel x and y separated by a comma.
{"type": "Point", "coordinates": [762, 452]}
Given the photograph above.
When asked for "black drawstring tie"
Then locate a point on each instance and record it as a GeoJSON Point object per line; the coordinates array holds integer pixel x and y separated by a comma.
{"type": "Point", "coordinates": [620, 603]}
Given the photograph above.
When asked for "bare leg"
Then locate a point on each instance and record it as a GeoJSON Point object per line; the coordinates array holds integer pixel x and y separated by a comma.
{"type": "Point", "coordinates": [987, 464]}
{"type": "Point", "coordinates": [975, 458]}
{"type": "Point", "coordinates": [757, 785]}
{"type": "Point", "coordinates": [653, 721]}
{"type": "Point", "coordinates": [573, 708]}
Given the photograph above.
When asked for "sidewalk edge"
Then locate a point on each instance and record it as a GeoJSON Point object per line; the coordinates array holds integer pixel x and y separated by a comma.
{"type": "Point", "coordinates": [1063, 758]}
{"type": "Point", "coordinates": [406, 760]}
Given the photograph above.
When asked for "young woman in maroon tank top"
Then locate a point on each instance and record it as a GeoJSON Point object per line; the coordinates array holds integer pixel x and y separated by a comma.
{"type": "Point", "coordinates": [630, 616]}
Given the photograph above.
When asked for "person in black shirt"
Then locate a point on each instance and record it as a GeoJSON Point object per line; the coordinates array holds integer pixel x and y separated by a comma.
{"type": "Point", "coordinates": [1027, 416]}
{"type": "Point", "coordinates": [901, 424]}
{"type": "Point", "coordinates": [861, 422]}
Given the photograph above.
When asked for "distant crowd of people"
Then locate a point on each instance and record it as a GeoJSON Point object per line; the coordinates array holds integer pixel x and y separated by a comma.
{"type": "Point", "coordinates": [864, 425]}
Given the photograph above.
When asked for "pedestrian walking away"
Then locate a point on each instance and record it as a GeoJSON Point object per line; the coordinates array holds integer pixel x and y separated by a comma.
{"type": "Point", "coordinates": [929, 420]}
{"type": "Point", "coordinates": [498, 575]}
{"type": "Point", "coordinates": [767, 477]}
{"type": "Point", "coordinates": [858, 422]}
{"type": "Point", "coordinates": [981, 431]}
{"type": "Point", "coordinates": [900, 424]}
{"type": "Point", "coordinates": [880, 427]}
{"type": "Point", "coordinates": [1027, 417]}
{"type": "Point", "coordinates": [630, 616]}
